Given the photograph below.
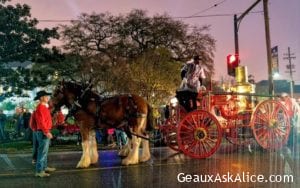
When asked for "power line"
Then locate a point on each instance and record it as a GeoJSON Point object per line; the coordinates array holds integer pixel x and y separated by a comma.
{"type": "Point", "coordinates": [213, 6]}
{"type": "Point", "coordinates": [215, 15]}
{"type": "Point", "coordinates": [177, 17]}
{"type": "Point", "coordinates": [55, 20]}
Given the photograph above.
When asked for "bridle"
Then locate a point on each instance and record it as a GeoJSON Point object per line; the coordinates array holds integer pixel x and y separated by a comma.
{"type": "Point", "coordinates": [75, 105]}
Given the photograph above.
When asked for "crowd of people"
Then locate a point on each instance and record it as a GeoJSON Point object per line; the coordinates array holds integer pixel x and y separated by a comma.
{"type": "Point", "coordinates": [18, 125]}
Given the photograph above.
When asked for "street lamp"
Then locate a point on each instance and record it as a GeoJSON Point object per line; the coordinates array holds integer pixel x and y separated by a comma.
{"type": "Point", "coordinates": [276, 75]}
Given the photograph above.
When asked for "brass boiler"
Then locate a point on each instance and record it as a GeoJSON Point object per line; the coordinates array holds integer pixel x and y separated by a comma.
{"type": "Point", "coordinates": [244, 102]}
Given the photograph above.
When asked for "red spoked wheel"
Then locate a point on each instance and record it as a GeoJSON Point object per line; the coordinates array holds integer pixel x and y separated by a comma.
{"type": "Point", "coordinates": [199, 134]}
{"type": "Point", "coordinates": [170, 137]}
{"type": "Point", "coordinates": [170, 129]}
{"type": "Point", "coordinates": [270, 124]}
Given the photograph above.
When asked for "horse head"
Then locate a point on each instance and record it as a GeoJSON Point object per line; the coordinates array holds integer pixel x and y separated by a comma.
{"type": "Point", "coordinates": [66, 93]}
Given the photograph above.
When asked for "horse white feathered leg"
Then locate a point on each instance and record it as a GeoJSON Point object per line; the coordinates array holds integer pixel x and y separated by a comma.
{"type": "Point", "coordinates": [145, 150]}
{"type": "Point", "coordinates": [93, 144]}
{"type": "Point", "coordinates": [133, 156]}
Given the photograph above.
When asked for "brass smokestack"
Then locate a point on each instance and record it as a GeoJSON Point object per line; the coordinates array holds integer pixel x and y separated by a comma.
{"type": "Point", "coordinates": [241, 74]}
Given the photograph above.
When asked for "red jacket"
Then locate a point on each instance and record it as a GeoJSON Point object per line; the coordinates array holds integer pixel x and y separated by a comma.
{"type": "Point", "coordinates": [43, 118]}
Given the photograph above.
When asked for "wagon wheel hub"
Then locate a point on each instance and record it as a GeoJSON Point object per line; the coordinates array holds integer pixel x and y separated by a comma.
{"type": "Point", "coordinates": [200, 134]}
{"type": "Point", "coordinates": [273, 123]}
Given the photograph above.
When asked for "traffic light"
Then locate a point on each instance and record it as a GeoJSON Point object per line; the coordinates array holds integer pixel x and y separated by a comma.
{"type": "Point", "coordinates": [232, 63]}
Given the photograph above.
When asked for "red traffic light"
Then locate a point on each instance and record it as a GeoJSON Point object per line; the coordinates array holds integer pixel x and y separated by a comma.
{"type": "Point", "coordinates": [232, 63]}
{"type": "Point", "coordinates": [232, 58]}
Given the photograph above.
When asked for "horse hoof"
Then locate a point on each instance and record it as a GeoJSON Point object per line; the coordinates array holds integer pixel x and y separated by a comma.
{"type": "Point", "coordinates": [128, 162]}
{"type": "Point", "coordinates": [125, 162]}
{"type": "Point", "coordinates": [94, 162]}
{"type": "Point", "coordinates": [144, 159]}
{"type": "Point", "coordinates": [82, 165]}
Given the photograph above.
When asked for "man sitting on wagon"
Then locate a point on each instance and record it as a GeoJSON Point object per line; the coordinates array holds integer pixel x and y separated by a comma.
{"type": "Point", "coordinates": [192, 75]}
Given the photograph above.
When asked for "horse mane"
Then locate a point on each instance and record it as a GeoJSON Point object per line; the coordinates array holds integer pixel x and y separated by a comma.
{"type": "Point", "coordinates": [79, 90]}
{"type": "Point", "coordinates": [73, 87]}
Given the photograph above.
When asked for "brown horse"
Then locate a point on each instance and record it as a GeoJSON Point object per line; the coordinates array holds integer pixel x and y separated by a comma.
{"type": "Point", "coordinates": [128, 112]}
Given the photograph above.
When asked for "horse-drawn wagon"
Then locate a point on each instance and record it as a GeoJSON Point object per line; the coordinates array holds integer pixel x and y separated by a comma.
{"type": "Point", "coordinates": [235, 115]}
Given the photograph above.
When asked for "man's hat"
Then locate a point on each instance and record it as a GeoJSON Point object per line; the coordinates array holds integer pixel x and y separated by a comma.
{"type": "Point", "coordinates": [41, 94]}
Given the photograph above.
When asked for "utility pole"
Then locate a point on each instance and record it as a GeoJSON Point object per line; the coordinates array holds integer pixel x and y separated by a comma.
{"type": "Point", "coordinates": [268, 45]}
{"type": "Point", "coordinates": [237, 21]}
{"type": "Point", "coordinates": [290, 67]}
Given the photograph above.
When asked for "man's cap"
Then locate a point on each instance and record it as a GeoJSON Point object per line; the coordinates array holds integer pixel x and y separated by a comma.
{"type": "Point", "coordinates": [41, 94]}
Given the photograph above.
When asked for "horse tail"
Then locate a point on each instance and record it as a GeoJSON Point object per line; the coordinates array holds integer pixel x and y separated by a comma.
{"type": "Point", "coordinates": [149, 126]}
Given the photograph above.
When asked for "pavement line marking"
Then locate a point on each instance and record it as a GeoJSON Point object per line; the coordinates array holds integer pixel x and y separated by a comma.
{"type": "Point", "coordinates": [116, 167]}
{"type": "Point", "coordinates": [90, 169]}
{"type": "Point", "coordinates": [8, 161]}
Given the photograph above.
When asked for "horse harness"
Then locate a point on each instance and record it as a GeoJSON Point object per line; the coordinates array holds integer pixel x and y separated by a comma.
{"type": "Point", "coordinates": [131, 111]}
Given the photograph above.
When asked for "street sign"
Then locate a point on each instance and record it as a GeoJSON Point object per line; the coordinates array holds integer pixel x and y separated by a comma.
{"type": "Point", "coordinates": [274, 57]}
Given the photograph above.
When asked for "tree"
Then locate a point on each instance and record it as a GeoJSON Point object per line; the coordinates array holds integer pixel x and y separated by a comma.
{"type": "Point", "coordinates": [154, 76]}
{"type": "Point", "coordinates": [116, 46]}
{"type": "Point", "coordinates": [90, 35]}
{"type": "Point", "coordinates": [20, 41]}
{"type": "Point", "coordinates": [129, 36]}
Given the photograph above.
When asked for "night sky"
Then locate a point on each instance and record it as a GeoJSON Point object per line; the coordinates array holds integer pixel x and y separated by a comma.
{"type": "Point", "coordinates": [284, 25]}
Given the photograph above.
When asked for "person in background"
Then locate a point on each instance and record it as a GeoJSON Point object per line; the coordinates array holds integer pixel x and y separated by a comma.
{"type": "Point", "coordinates": [59, 120]}
{"type": "Point", "coordinates": [19, 121]}
{"type": "Point", "coordinates": [43, 120]}
{"type": "Point", "coordinates": [26, 118]}
{"type": "Point", "coordinates": [35, 144]}
{"type": "Point", "coordinates": [2, 125]}
{"type": "Point", "coordinates": [293, 109]}
{"type": "Point", "coordinates": [166, 112]}
{"type": "Point", "coordinates": [121, 138]}
{"type": "Point", "coordinates": [99, 136]}
{"type": "Point", "coordinates": [110, 137]}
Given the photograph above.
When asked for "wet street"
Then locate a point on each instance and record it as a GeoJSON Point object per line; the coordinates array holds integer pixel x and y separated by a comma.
{"type": "Point", "coordinates": [166, 169]}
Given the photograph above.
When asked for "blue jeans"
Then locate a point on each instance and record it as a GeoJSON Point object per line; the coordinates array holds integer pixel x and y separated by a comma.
{"type": "Point", "coordinates": [43, 147]}
{"type": "Point", "coordinates": [35, 145]}
{"type": "Point", "coordinates": [121, 137]}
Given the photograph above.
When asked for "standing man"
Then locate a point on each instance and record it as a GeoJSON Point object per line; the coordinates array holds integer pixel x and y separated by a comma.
{"type": "Point", "coordinates": [2, 125]}
{"type": "Point", "coordinates": [192, 80]}
{"type": "Point", "coordinates": [43, 135]}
